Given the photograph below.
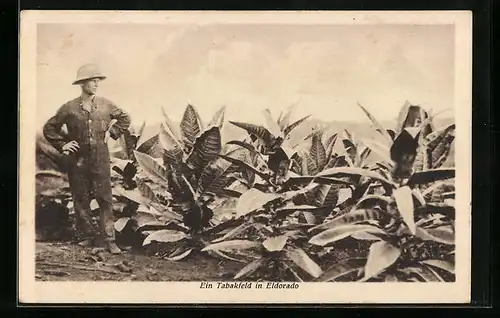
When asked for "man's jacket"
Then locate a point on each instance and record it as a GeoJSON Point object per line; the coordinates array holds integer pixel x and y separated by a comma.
{"type": "Point", "coordinates": [88, 128]}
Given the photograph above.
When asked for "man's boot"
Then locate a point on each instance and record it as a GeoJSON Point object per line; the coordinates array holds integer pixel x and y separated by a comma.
{"type": "Point", "coordinates": [113, 248]}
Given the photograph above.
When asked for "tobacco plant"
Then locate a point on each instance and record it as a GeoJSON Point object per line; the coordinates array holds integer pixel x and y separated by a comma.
{"type": "Point", "coordinates": [290, 206]}
{"type": "Point", "coordinates": [411, 222]}
{"type": "Point", "coordinates": [270, 210]}
{"type": "Point", "coordinates": [399, 223]}
{"type": "Point", "coordinates": [268, 238]}
{"type": "Point", "coordinates": [183, 187]}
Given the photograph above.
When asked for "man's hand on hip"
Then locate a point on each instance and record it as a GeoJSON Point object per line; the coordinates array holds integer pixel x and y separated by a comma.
{"type": "Point", "coordinates": [70, 147]}
{"type": "Point", "coordinates": [107, 135]}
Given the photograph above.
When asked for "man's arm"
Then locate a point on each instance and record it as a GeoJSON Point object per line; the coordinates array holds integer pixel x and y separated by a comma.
{"type": "Point", "coordinates": [122, 122]}
{"type": "Point", "coordinates": [52, 129]}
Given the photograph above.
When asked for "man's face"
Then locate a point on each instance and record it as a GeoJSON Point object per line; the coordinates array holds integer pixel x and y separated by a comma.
{"type": "Point", "coordinates": [90, 86]}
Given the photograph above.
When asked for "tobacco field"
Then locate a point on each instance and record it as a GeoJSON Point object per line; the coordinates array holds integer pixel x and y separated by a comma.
{"type": "Point", "coordinates": [278, 204]}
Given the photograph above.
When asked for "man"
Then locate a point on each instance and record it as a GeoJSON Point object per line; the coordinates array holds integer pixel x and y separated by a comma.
{"type": "Point", "coordinates": [88, 119]}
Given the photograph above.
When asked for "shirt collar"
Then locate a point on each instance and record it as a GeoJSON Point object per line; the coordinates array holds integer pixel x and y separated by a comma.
{"type": "Point", "coordinates": [92, 102]}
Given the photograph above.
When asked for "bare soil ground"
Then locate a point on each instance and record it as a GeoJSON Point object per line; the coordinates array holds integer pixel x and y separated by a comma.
{"type": "Point", "coordinates": [70, 262]}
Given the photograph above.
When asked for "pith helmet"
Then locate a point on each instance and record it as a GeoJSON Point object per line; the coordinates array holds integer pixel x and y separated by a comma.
{"type": "Point", "coordinates": [88, 71]}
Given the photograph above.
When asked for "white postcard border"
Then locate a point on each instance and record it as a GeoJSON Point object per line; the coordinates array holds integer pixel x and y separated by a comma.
{"type": "Point", "coordinates": [31, 291]}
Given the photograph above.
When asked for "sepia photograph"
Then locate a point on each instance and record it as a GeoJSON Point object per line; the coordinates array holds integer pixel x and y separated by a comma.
{"type": "Point", "coordinates": [235, 157]}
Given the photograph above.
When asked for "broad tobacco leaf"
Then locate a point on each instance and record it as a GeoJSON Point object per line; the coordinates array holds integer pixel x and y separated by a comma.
{"type": "Point", "coordinates": [433, 175]}
{"type": "Point", "coordinates": [353, 217]}
{"type": "Point", "coordinates": [147, 192]}
{"type": "Point", "coordinates": [402, 115]}
{"type": "Point", "coordinates": [441, 234]}
{"type": "Point", "coordinates": [329, 145]}
{"type": "Point", "coordinates": [145, 219]}
{"type": "Point", "coordinates": [438, 147]}
{"type": "Point", "coordinates": [302, 260]}
{"type": "Point", "coordinates": [325, 195]}
{"type": "Point", "coordinates": [294, 125]}
{"type": "Point", "coordinates": [342, 268]}
{"type": "Point", "coordinates": [404, 152]}
{"type": "Point", "coordinates": [167, 138]}
{"type": "Point", "coordinates": [233, 233]}
{"type": "Point", "coordinates": [206, 149]}
{"type": "Point", "coordinates": [271, 124]}
{"type": "Point", "coordinates": [218, 118]}
{"type": "Point", "coordinates": [133, 195]}
{"type": "Point", "coordinates": [180, 256]}
{"type": "Point", "coordinates": [365, 236]}
{"type": "Point", "coordinates": [152, 168]}
{"type": "Point", "coordinates": [354, 171]}
{"type": "Point", "coordinates": [214, 176]}
{"type": "Point", "coordinates": [424, 271]}
{"type": "Point", "coordinates": [165, 236]}
{"type": "Point", "coordinates": [318, 152]}
{"type": "Point", "coordinates": [151, 147]}
{"type": "Point", "coordinates": [172, 128]}
{"type": "Point", "coordinates": [231, 245]}
{"type": "Point", "coordinates": [274, 244]}
{"type": "Point", "coordinates": [250, 268]}
{"type": "Point", "coordinates": [121, 223]}
{"type": "Point", "coordinates": [253, 200]}
{"type": "Point", "coordinates": [442, 264]}
{"type": "Point", "coordinates": [381, 256]}
{"type": "Point", "coordinates": [381, 150]}
{"type": "Point", "coordinates": [260, 132]}
{"type": "Point", "coordinates": [377, 125]}
{"type": "Point", "coordinates": [404, 201]}
{"type": "Point", "coordinates": [341, 232]}
{"type": "Point", "coordinates": [191, 125]}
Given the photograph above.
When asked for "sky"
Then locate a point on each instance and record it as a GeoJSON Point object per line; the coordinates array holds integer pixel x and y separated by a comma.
{"type": "Point", "coordinates": [326, 70]}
